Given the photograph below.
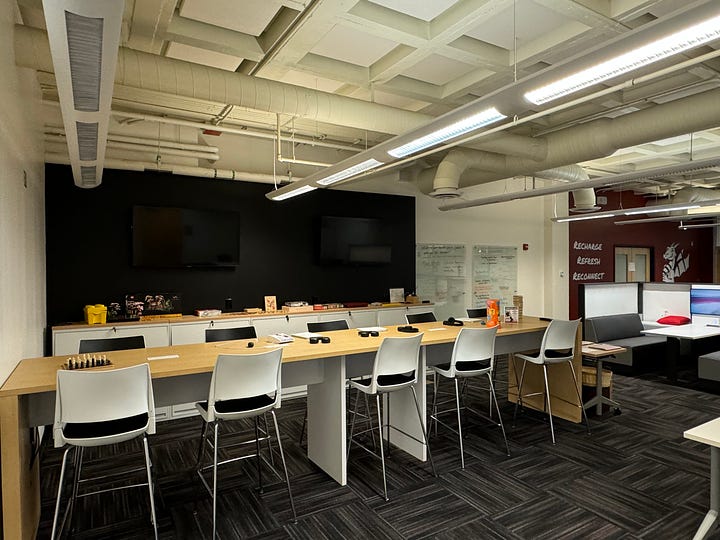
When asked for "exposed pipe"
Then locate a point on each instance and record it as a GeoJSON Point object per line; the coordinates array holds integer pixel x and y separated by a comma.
{"type": "Point", "coordinates": [282, 159]}
{"type": "Point", "coordinates": [153, 148]}
{"type": "Point", "coordinates": [584, 199]}
{"type": "Point", "coordinates": [147, 71]}
{"type": "Point", "coordinates": [185, 170]}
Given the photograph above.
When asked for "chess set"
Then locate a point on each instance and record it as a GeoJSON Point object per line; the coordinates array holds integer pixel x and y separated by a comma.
{"type": "Point", "coordinates": [85, 361]}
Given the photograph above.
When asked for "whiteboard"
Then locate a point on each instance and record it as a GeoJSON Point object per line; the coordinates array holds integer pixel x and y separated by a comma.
{"type": "Point", "coordinates": [441, 277]}
{"type": "Point", "coordinates": [610, 298]}
{"type": "Point", "coordinates": [495, 271]}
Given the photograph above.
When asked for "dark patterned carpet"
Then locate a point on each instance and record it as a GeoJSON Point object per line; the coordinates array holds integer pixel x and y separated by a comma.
{"type": "Point", "coordinates": [634, 477]}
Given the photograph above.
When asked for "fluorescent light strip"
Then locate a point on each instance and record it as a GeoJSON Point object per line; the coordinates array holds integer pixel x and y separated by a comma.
{"type": "Point", "coordinates": [678, 42]}
{"type": "Point", "coordinates": [488, 116]}
{"type": "Point", "coordinates": [350, 171]}
{"type": "Point", "coordinates": [584, 217]}
{"type": "Point", "coordinates": [293, 193]}
{"type": "Point", "coordinates": [662, 208]}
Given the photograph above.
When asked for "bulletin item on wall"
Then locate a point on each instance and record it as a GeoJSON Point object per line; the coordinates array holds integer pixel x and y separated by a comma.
{"type": "Point", "coordinates": [397, 295]}
{"type": "Point", "coordinates": [441, 278]}
{"type": "Point", "coordinates": [146, 304]}
{"type": "Point", "coordinates": [495, 271]}
{"type": "Point", "coordinates": [493, 313]}
{"type": "Point", "coordinates": [270, 304]}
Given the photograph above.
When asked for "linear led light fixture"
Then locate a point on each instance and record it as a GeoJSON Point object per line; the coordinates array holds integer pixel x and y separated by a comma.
{"type": "Point", "coordinates": [654, 51]}
{"type": "Point", "coordinates": [483, 118]}
{"type": "Point", "coordinates": [684, 217]}
{"type": "Point", "coordinates": [350, 171]}
{"type": "Point", "coordinates": [637, 211]}
{"type": "Point", "coordinates": [684, 227]}
{"type": "Point", "coordinates": [293, 193]}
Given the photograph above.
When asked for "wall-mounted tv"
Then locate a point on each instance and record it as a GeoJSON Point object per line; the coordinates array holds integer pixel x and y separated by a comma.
{"type": "Point", "coordinates": [705, 300]}
{"type": "Point", "coordinates": [183, 237]}
{"type": "Point", "coordinates": [354, 241]}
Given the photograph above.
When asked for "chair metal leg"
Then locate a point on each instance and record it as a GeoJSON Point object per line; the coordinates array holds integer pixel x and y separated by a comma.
{"type": "Point", "coordinates": [382, 446]}
{"type": "Point", "coordinates": [269, 442]}
{"type": "Point", "coordinates": [59, 492]}
{"type": "Point", "coordinates": [433, 417]}
{"type": "Point", "coordinates": [214, 494]}
{"type": "Point", "coordinates": [459, 418]}
{"type": "Point", "coordinates": [493, 395]}
{"type": "Point", "coordinates": [387, 414]}
{"type": "Point", "coordinates": [302, 431]}
{"type": "Point", "coordinates": [282, 458]}
{"type": "Point", "coordinates": [352, 422]}
{"type": "Point", "coordinates": [257, 456]}
{"type": "Point", "coordinates": [370, 420]}
{"type": "Point", "coordinates": [518, 402]}
{"type": "Point", "coordinates": [424, 431]}
{"type": "Point", "coordinates": [151, 486]}
{"type": "Point", "coordinates": [549, 408]}
{"type": "Point", "coordinates": [77, 460]}
{"type": "Point", "coordinates": [201, 446]}
{"type": "Point", "coordinates": [575, 381]}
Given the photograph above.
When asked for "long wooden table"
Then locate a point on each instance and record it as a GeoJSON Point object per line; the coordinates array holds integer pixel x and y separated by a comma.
{"type": "Point", "coordinates": [182, 373]}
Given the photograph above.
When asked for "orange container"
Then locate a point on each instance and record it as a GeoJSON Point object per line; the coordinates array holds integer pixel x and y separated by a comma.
{"type": "Point", "coordinates": [493, 313]}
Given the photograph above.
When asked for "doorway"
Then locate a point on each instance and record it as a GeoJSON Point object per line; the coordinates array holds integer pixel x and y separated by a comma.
{"type": "Point", "coordinates": [632, 264]}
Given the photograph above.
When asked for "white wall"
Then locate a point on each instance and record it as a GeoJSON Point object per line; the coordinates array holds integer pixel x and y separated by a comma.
{"type": "Point", "coordinates": [22, 212]}
{"type": "Point", "coordinates": [514, 223]}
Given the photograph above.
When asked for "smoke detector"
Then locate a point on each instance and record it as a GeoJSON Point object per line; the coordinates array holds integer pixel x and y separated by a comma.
{"type": "Point", "coordinates": [446, 193]}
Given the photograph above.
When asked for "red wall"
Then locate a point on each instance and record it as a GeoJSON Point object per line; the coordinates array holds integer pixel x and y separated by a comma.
{"type": "Point", "coordinates": [593, 242]}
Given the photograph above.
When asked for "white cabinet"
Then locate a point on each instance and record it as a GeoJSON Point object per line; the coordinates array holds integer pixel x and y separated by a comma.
{"type": "Point", "coordinates": [361, 318]}
{"type": "Point", "coordinates": [395, 316]}
{"type": "Point", "coordinates": [287, 324]}
{"type": "Point", "coordinates": [194, 332]}
{"type": "Point", "coordinates": [67, 340]}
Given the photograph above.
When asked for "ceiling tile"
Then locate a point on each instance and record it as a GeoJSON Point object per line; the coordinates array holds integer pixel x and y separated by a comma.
{"type": "Point", "coordinates": [532, 21]}
{"type": "Point", "coordinates": [196, 55]}
{"type": "Point", "coordinates": [425, 10]}
{"type": "Point", "coordinates": [437, 69]}
{"type": "Point", "coordinates": [249, 16]}
{"type": "Point", "coordinates": [353, 46]}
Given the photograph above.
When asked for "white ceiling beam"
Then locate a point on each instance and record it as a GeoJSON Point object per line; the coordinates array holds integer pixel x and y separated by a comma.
{"type": "Point", "coordinates": [213, 38]}
{"type": "Point", "coordinates": [477, 53]}
{"type": "Point", "coordinates": [150, 20]}
{"type": "Point", "coordinates": [337, 70]}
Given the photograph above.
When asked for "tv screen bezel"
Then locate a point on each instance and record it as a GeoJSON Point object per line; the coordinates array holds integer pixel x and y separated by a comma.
{"type": "Point", "coordinates": [693, 303]}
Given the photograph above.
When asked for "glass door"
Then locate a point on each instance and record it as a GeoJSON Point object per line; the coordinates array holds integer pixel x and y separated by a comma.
{"type": "Point", "coordinates": [632, 264]}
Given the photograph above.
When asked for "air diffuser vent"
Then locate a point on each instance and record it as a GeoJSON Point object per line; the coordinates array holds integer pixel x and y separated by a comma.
{"type": "Point", "coordinates": [87, 133]}
{"type": "Point", "coordinates": [85, 41]}
{"type": "Point", "coordinates": [88, 176]}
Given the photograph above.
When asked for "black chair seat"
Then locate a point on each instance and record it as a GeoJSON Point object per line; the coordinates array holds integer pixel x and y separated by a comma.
{"type": "Point", "coordinates": [92, 430]}
{"type": "Point", "coordinates": [389, 380]}
{"type": "Point", "coordinates": [551, 353]}
{"type": "Point", "coordinates": [469, 365]}
{"type": "Point", "coordinates": [240, 405]}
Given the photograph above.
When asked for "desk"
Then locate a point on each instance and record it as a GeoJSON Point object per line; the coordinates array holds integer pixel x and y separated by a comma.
{"type": "Point", "coordinates": [598, 355]}
{"type": "Point", "coordinates": [28, 398]}
{"type": "Point", "coordinates": [675, 334]}
{"type": "Point", "coordinates": [709, 433]}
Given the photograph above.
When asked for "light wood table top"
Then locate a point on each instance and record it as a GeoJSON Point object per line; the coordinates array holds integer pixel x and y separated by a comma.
{"type": "Point", "coordinates": [35, 375]}
{"type": "Point", "coordinates": [707, 433]}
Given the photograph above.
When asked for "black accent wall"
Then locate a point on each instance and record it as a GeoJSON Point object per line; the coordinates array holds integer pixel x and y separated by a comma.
{"type": "Point", "coordinates": [89, 244]}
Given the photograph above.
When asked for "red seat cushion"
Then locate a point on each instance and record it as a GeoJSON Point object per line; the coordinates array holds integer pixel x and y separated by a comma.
{"type": "Point", "coordinates": [675, 320]}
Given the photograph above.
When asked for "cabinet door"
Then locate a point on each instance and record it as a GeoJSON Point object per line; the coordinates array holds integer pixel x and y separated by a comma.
{"type": "Point", "coordinates": [363, 318]}
{"type": "Point", "coordinates": [336, 316]}
{"type": "Point", "coordinates": [181, 334]}
{"type": "Point", "coordinates": [68, 341]}
{"type": "Point", "coordinates": [391, 316]}
{"type": "Point", "coordinates": [420, 309]}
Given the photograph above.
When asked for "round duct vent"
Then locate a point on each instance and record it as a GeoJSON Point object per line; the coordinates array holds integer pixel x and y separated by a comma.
{"type": "Point", "coordinates": [584, 210]}
{"type": "Point", "coordinates": [446, 193]}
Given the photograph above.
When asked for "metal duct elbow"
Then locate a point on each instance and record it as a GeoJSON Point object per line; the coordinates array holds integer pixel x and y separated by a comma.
{"type": "Point", "coordinates": [584, 199]}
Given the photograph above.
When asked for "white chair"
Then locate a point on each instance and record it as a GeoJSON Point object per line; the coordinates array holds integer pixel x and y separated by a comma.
{"type": "Point", "coordinates": [394, 369]}
{"type": "Point", "coordinates": [557, 347]}
{"type": "Point", "coordinates": [98, 408]}
{"type": "Point", "coordinates": [243, 386]}
{"type": "Point", "coordinates": [473, 355]}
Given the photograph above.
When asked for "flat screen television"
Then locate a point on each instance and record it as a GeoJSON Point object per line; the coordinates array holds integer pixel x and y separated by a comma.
{"type": "Point", "coordinates": [183, 237]}
{"type": "Point", "coordinates": [354, 241]}
{"type": "Point", "coordinates": [705, 300]}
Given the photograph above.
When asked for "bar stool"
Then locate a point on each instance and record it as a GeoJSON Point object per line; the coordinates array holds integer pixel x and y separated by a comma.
{"type": "Point", "coordinates": [557, 347]}
{"type": "Point", "coordinates": [394, 369]}
{"type": "Point", "coordinates": [99, 408]}
{"type": "Point", "coordinates": [473, 355]}
{"type": "Point", "coordinates": [243, 386]}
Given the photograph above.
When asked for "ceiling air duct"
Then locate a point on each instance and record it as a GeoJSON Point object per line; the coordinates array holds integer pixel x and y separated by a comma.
{"type": "Point", "coordinates": [84, 37]}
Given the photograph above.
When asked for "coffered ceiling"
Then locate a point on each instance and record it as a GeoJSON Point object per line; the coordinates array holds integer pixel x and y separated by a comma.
{"type": "Point", "coordinates": [424, 58]}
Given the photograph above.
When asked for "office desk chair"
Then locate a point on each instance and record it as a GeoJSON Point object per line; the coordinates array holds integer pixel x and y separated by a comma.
{"type": "Point", "coordinates": [322, 326]}
{"type": "Point", "coordinates": [477, 313]}
{"type": "Point", "coordinates": [473, 356]}
{"type": "Point", "coordinates": [557, 347]}
{"type": "Point", "coordinates": [99, 408]}
{"type": "Point", "coordinates": [243, 386]}
{"type": "Point", "coordinates": [111, 344]}
{"type": "Point", "coordinates": [394, 369]}
{"type": "Point", "coordinates": [413, 318]}
{"type": "Point", "coordinates": [228, 334]}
